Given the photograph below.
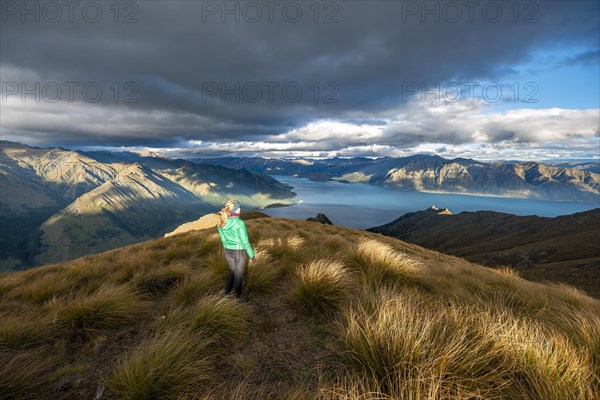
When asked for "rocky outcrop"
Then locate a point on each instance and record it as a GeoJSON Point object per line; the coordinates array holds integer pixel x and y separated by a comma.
{"type": "Point", "coordinates": [205, 222]}
{"type": "Point", "coordinates": [321, 218]}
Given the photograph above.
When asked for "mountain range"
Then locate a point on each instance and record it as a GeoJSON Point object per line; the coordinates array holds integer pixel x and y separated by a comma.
{"type": "Point", "coordinates": [58, 204]}
{"type": "Point", "coordinates": [567, 181]}
{"type": "Point", "coordinates": [564, 248]}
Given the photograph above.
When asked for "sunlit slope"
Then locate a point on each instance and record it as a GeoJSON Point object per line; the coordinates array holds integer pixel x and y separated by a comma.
{"type": "Point", "coordinates": [334, 313]}
{"type": "Point", "coordinates": [433, 173]}
{"type": "Point", "coordinates": [57, 203]}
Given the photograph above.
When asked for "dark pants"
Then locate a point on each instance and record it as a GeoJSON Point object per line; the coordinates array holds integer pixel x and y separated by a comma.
{"type": "Point", "coordinates": [237, 260]}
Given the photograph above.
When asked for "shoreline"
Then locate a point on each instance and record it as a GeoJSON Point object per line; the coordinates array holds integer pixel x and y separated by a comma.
{"type": "Point", "coordinates": [487, 195]}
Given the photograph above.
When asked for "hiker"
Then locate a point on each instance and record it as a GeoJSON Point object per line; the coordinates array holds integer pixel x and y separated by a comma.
{"type": "Point", "coordinates": [236, 246]}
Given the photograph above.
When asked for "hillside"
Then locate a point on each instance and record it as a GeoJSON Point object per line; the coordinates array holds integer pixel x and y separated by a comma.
{"type": "Point", "coordinates": [333, 313]}
{"type": "Point", "coordinates": [433, 173]}
{"type": "Point", "coordinates": [59, 204]}
{"type": "Point", "coordinates": [562, 249]}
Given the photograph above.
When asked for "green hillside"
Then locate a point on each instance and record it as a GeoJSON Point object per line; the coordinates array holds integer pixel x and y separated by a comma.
{"type": "Point", "coordinates": [333, 313]}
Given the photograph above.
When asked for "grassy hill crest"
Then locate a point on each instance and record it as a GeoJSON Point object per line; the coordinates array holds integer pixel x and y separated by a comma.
{"type": "Point", "coordinates": [334, 313]}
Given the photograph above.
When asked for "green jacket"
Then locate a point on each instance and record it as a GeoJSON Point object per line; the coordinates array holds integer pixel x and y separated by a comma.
{"type": "Point", "coordinates": [234, 236]}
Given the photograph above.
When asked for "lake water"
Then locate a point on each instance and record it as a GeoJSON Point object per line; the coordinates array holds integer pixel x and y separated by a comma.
{"type": "Point", "coordinates": [360, 205]}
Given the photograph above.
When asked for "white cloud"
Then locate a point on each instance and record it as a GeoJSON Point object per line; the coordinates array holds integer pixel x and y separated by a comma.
{"type": "Point", "coordinates": [462, 129]}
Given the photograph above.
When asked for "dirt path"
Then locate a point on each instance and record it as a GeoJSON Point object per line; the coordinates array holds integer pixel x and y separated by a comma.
{"type": "Point", "coordinates": [284, 350]}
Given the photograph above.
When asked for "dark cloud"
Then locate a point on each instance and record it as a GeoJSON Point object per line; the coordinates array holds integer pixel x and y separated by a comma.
{"type": "Point", "coordinates": [361, 65]}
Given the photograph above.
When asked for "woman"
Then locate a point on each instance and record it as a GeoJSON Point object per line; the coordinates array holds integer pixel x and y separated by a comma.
{"type": "Point", "coordinates": [236, 246]}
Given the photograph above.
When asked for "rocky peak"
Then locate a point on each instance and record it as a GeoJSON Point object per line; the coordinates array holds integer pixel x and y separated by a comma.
{"type": "Point", "coordinates": [322, 218]}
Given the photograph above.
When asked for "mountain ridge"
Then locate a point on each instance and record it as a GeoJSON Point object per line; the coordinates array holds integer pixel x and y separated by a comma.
{"type": "Point", "coordinates": [563, 248]}
{"type": "Point", "coordinates": [434, 173]}
{"type": "Point", "coordinates": [57, 202]}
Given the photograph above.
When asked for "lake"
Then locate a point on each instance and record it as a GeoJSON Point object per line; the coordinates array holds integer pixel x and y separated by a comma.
{"type": "Point", "coordinates": [360, 205]}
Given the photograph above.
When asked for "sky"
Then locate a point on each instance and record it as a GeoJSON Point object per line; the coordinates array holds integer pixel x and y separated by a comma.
{"type": "Point", "coordinates": [486, 80]}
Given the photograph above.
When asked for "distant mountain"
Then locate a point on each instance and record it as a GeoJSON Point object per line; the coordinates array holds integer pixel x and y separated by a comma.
{"type": "Point", "coordinates": [591, 166]}
{"type": "Point", "coordinates": [57, 204]}
{"type": "Point", "coordinates": [434, 173]}
{"type": "Point", "coordinates": [564, 248]}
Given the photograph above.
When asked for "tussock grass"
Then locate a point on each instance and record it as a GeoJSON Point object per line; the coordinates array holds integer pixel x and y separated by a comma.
{"type": "Point", "coordinates": [210, 245]}
{"type": "Point", "coordinates": [321, 286]}
{"type": "Point", "coordinates": [157, 281]}
{"type": "Point", "coordinates": [283, 245]}
{"type": "Point", "coordinates": [85, 275]}
{"type": "Point", "coordinates": [379, 262]}
{"type": "Point", "coordinates": [572, 296]}
{"type": "Point", "coordinates": [179, 250]}
{"type": "Point", "coordinates": [24, 373]}
{"type": "Point", "coordinates": [402, 322]}
{"type": "Point", "coordinates": [216, 262]}
{"type": "Point", "coordinates": [509, 272]}
{"type": "Point", "coordinates": [404, 338]}
{"type": "Point", "coordinates": [45, 288]}
{"type": "Point", "coordinates": [109, 308]}
{"type": "Point", "coordinates": [22, 329]}
{"type": "Point", "coordinates": [163, 367]}
{"type": "Point", "coordinates": [262, 276]}
{"type": "Point", "coordinates": [545, 365]}
{"type": "Point", "coordinates": [8, 282]}
{"type": "Point", "coordinates": [221, 318]}
{"type": "Point", "coordinates": [133, 261]}
{"type": "Point", "coordinates": [243, 363]}
{"type": "Point", "coordinates": [197, 286]}
{"type": "Point", "coordinates": [246, 390]}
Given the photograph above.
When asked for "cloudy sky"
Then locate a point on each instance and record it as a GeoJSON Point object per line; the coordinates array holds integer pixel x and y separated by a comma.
{"type": "Point", "coordinates": [488, 80]}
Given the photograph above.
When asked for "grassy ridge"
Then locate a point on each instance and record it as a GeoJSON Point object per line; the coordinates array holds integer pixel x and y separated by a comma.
{"type": "Point", "coordinates": [335, 313]}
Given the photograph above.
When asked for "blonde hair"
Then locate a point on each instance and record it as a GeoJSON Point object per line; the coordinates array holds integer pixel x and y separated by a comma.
{"type": "Point", "coordinates": [225, 211]}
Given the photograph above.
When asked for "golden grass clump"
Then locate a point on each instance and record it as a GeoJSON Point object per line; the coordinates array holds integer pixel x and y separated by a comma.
{"type": "Point", "coordinates": [9, 281]}
{"type": "Point", "coordinates": [379, 262]}
{"type": "Point", "coordinates": [220, 317]}
{"type": "Point", "coordinates": [291, 242]}
{"type": "Point", "coordinates": [284, 249]}
{"type": "Point", "coordinates": [109, 308]}
{"type": "Point", "coordinates": [573, 296]}
{"type": "Point", "coordinates": [262, 275]}
{"type": "Point", "coordinates": [197, 286]}
{"type": "Point", "coordinates": [164, 367]}
{"type": "Point", "coordinates": [545, 364]}
{"type": "Point", "coordinates": [321, 286]}
{"type": "Point", "coordinates": [508, 271]}
{"type": "Point", "coordinates": [405, 342]}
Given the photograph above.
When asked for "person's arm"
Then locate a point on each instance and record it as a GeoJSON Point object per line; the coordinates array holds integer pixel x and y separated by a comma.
{"type": "Point", "coordinates": [243, 235]}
